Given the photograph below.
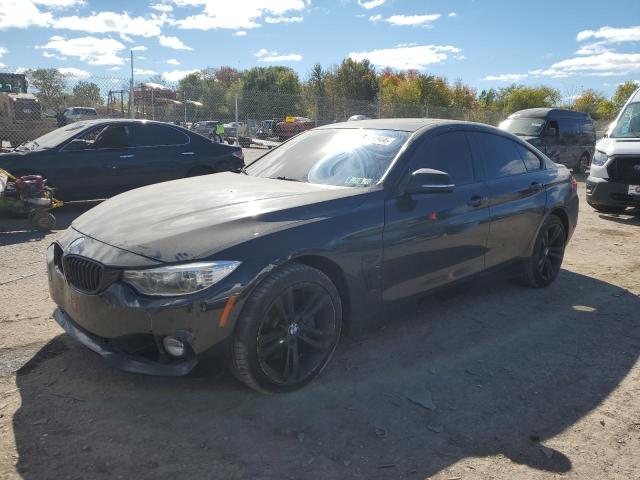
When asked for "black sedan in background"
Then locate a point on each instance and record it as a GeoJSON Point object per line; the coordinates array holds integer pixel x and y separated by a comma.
{"type": "Point", "coordinates": [101, 158]}
{"type": "Point", "coordinates": [316, 235]}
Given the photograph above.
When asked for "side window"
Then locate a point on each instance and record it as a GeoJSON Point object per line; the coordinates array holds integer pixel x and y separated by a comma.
{"type": "Point", "coordinates": [530, 159]}
{"type": "Point", "coordinates": [586, 128]}
{"type": "Point", "coordinates": [569, 129]}
{"type": "Point", "coordinates": [448, 152]}
{"type": "Point", "coordinates": [153, 135]}
{"type": "Point", "coordinates": [112, 136]}
{"type": "Point", "coordinates": [499, 155]}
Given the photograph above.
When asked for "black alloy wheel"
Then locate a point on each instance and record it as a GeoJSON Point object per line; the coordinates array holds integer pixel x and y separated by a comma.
{"type": "Point", "coordinates": [287, 330]}
{"type": "Point", "coordinates": [543, 266]}
{"type": "Point", "coordinates": [297, 333]}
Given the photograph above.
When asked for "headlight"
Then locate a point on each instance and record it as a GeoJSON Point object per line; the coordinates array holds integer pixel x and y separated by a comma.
{"type": "Point", "coordinates": [599, 158]}
{"type": "Point", "coordinates": [178, 279]}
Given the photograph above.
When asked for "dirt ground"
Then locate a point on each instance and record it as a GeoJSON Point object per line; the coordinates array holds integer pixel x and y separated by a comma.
{"type": "Point", "coordinates": [488, 380]}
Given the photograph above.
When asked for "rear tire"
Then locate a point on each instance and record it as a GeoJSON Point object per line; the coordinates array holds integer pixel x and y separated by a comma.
{"type": "Point", "coordinates": [608, 208]}
{"type": "Point", "coordinates": [543, 266]}
{"type": "Point", "coordinates": [583, 164]}
{"type": "Point", "coordinates": [287, 331]}
{"type": "Point", "coordinates": [42, 220]}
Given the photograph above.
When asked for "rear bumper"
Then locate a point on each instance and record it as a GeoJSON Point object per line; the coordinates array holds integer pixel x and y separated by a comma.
{"type": "Point", "coordinates": [602, 191]}
{"type": "Point", "coordinates": [120, 359]}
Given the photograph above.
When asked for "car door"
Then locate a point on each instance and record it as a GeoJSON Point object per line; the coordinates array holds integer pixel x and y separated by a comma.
{"type": "Point", "coordinates": [569, 149]}
{"type": "Point", "coordinates": [517, 196]}
{"type": "Point", "coordinates": [159, 153]}
{"type": "Point", "coordinates": [432, 239]}
{"type": "Point", "coordinates": [89, 170]}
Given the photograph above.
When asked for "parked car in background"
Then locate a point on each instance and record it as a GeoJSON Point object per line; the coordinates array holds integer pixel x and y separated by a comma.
{"type": "Point", "coordinates": [206, 128]}
{"type": "Point", "coordinates": [75, 114]}
{"type": "Point", "coordinates": [266, 129]}
{"type": "Point", "coordinates": [614, 179]}
{"type": "Point", "coordinates": [319, 233]}
{"type": "Point", "coordinates": [355, 118]}
{"type": "Point", "coordinates": [100, 158]}
{"type": "Point", "coordinates": [565, 136]}
{"type": "Point", "coordinates": [293, 126]}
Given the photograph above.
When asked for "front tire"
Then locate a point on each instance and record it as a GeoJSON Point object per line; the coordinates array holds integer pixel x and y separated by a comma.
{"type": "Point", "coordinates": [287, 331]}
{"type": "Point", "coordinates": [543, 266]}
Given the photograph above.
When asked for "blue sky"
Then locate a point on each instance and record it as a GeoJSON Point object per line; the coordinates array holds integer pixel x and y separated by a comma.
{"type": "Point", "coordinates": [486, 43]}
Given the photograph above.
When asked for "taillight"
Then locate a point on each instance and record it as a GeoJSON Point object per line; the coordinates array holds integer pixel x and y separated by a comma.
{"type": "Point", "coordinates": [574, 184]}
{"type": "Point", "coordinates": [238, 154]}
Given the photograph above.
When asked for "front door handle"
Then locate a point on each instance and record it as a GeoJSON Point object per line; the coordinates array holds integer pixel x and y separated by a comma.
{"type": "Point", "coordinates": [536, 187]}
{"type": "Point", "coordinates": [127, 156]}
{"type": "Point", "coordinates": [475, 201]}
{"type": "Point", "coordinates": [186, 153]}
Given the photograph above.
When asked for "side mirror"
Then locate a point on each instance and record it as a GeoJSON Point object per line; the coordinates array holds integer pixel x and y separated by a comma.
{"type": "Point", "coordinates": [76, 145]}
{"type": "Point", "coordinates": [552, 132]}
{"type": "Point", "coordinates": [428, 180]}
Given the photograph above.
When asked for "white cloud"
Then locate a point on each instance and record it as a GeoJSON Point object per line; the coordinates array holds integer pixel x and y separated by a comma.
{"type": "Point", "coordinates": [92, 50]}
{"type": "Point", "coordinates": [240, 33]}
{"type": "Point", "coordinates": [265, 55]}
{"type": "Point", "coordinates": [2, 52]}
{"type": "Point", "coordinates": [139, 48]}
{"type": "Point", "coordinates": [173, 61]}
{"type": "Point", "coordinates": [506, 77]}
{"type": "Point", "coordinates": [22, 14]}
{"type": "Point", "coordinates": [611, 35]}
{"type": "Point", "coordinates": [176, 75]}
{"type": "Point", "coordinates": [375, 18]}
{"type": "Point", "coordinates": [74, 72]}
{"type": "Point", "coordinates": [46, 54]}
{"type": "Point", "coordinates": [142, 71]}
{"type": "Point", "coordinates": [60, 3]}
{"type": "Point", "coordinates": [173, 42]}
{"type": "Point", "coordinates": [452, 14]}
{"type": "Point", "coordinates": [106, 22]}
{"type": "Point", "coordinates": [371, 3]}
{"type": "Point", "coordinates": [244, 14]}
{"type": "Point", "coordinates": [283, 19]}
{"type": "Point", "coordinates": [603, 64]}
{"type": "Point", "coordinates": [114, 68]}
{"type": "Point", "coordinates": [412, 20]}
{"type": "Point", "coordinates": [162, 7]}
{"type": "Point", "coordinates": [415, 57]}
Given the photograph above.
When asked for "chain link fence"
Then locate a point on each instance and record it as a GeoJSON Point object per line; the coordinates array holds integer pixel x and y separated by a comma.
{"type": "Point", "coordinates": [47, 101]}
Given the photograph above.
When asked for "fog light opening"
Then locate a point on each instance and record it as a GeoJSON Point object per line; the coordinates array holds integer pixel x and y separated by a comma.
{"type": "Point", "coordinates": [174, 346]}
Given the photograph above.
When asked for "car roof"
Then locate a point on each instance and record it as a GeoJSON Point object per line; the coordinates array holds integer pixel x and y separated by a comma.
{"type": "Point", "coordinates": [402, 124]}
{"type": "Point", "coordinates": [544, 112]}
{"type": "Point", "coordinates": [125, 120]}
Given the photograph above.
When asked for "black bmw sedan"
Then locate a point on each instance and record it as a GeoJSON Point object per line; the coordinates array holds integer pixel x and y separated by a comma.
{"type": "Point", "coordinates": [100, 158]}
{"type": "Point", "coordinates": [318, 234]}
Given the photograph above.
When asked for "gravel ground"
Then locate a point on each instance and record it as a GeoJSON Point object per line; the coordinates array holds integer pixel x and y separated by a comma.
{"type": "Point", "coordinates": [486, 380]}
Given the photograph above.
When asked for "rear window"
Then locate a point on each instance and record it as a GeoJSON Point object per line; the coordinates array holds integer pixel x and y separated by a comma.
{"type": "Point", "coordinates": [499, 154]}
{"type": "Point", "coordinates": [153, 135]}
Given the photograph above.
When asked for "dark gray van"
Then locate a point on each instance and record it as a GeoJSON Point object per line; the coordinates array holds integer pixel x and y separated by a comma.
{"type": "Point", "coordinates": [567, 137]}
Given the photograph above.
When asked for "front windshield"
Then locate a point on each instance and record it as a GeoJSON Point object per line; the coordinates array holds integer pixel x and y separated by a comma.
{"type": "Point", "coordinates": [56, 137]}
{"type": "Point", "coordinates": [526, 127]}
{"type": "Point", "coordinates": [629, 124]}
{"type": "Point", "coordinates": [340, 157]}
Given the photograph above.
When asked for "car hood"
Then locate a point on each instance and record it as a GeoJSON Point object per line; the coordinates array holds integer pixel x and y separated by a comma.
{"type": "Point", "coordinates": [619, 146]}
{"type": "Point", "coordinates": [197, 217]}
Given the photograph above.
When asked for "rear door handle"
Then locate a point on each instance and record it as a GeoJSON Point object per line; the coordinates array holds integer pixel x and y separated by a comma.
{"type": "Point", "coordinates": [186, 153]}
{"type": "Point", "coordinates": [475, 201]}
{"type": "Point", "coordinates": [127, 156]}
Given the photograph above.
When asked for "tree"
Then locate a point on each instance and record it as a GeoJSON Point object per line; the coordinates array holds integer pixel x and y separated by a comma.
{"type": "Point", "coordinates": [519, 97]}
{"type": "Point", "coordinates": [356, 80]}
{"type": "Point", "coordinates": [50, 85]}
{"type": "Point", "coordinates": [227, 76]}
{"type": "Point", "coordinates": [434, 91]}
{"type": "Point", "coordinates": [317, 80]}
{"type": "Point", "coordinates": [623, 92]}
{"type": "Point", "coordinates": [87, 94]}
{"type": "Point", "coordinates": [272, 79]}
{"type": "Point", "coordinates": [593, 103]}
{"type": "Point", "coordinates": [463, 97]}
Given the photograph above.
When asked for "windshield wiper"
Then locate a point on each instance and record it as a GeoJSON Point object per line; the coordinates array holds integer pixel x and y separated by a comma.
{"type": "Point", "coordinates": [288, 179]}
